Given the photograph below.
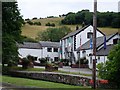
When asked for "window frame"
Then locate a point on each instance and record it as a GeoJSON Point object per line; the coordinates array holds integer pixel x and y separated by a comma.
{"type": "Point", "coordinates": [55, 49]}
{"type": "Point", "coordinates": [89, 35]}
{"type": "Point", "coordinates": [49, 49]}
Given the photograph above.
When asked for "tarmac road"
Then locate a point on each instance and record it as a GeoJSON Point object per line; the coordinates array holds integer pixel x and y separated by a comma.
{"type": "Point", "coordinates": [69, 69]}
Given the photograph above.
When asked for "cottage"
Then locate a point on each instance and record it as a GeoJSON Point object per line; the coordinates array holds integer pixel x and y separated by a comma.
{"type": "Point", "coordinates": [102, 51]}
{"type": "Point", "coordinates": [29, 48]}
{"type": "Point", "coordinates": [42, 49]}
{"type": "Point", "coordinates": [71, 42]}
{"type": "Point", "coordinates": [50, 50]}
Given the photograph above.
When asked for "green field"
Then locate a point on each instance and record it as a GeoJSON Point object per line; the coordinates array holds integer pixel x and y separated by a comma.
{"type": "Point", "coordinates": [36, 83]}
{"type": "Point", "coordinates": [33, 30]}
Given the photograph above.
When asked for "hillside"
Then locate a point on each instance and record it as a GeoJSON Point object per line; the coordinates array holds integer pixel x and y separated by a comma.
{"type": "Point", "coordinates": [33, 30]}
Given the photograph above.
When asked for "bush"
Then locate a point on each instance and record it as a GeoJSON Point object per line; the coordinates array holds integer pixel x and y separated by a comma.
{"type": "Point", "coordinates": [43, 61]}
{"type": "Point", "coordinates": [25, 63]}
{"type": "Point", "coordinates": [37, 23]}
{"type": "Point", "coordinates": [47, 24]}
{"type": "Point", "coordinates": [50, 24]}
{"type": "Point", "coordinates": [27, 19]}
{"type": "Point", "coordinates": [51, 67]}
{"type": "Point", "coordinates": [30, 23]}
{"type": "Point", "coordinates": [82, 61]}
{"type": "Point", "coordinates": [34, 18]}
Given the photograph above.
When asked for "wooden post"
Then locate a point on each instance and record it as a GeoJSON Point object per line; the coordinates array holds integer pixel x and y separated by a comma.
{"type": "Point", "coordinates": [94, 43]}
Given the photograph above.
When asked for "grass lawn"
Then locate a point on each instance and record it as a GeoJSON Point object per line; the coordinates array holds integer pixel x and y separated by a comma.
{"type": "Point", "coordinates": [36, 83]}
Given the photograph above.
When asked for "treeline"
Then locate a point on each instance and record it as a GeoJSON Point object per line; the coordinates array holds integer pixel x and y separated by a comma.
{"type": "Point", "coordinates": [104, 19]}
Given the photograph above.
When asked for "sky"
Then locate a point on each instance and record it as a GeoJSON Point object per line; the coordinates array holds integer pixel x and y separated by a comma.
{"type": "Point", "coordinates": [44, 8]}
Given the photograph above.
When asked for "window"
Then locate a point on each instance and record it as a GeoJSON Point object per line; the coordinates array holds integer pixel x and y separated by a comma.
{"type": "Point", "coordinates": [56, 58]}
{"type": "Point", "coordinates": [91, 59]}
{"type": "Point", "coordinates": [84, 53]}
{"type": "Point", "coordinates": [55, 49]}
{"type": "Point", "coordinates": [115, 41]}
{"type": "Point", "coordinates": [49, 49]}
{"type": "Point", "coordinates": [89, 35]}
{"type": "Point", "coordinates": [98, 57]}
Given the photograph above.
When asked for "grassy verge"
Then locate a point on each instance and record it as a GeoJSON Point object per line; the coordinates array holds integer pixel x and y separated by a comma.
{"type": "Point", "coordinates": [29, 69]}
{"type": "Point", "coordinates": [36, 83]}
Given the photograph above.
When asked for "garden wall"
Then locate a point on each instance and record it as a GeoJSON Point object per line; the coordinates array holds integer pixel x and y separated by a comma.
{"type": "Point", "coordinates": [54, 77]}
{"type": "Point", "coordinates": [63, 78]}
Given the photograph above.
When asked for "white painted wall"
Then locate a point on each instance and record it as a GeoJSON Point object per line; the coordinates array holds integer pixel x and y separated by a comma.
{"type": "Point", "coordinates": [83, 35]}
{"type": "Point", "coordinates": [84, 39]}
{"type": "Point", "coordinates": [103, 58]}
{"type": "Point", "coordinates": [33, 52]}
{"type": "Point", "coordinates": [49, 54]}
{"type": "Point", "coordinates": [40, 53]}
{"type": "Point", "coordinates": [110, 41]}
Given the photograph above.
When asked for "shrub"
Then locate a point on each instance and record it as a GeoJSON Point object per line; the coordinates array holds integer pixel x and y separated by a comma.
{"type": "Point", "coordinates": [82, 61]}
{"type": "Point", "coordinates": [50, 24]}
{"type": "Point", "coordinates": [43, 61]}
{"type": "Point", "coordinates": [30, 23]}
{"type": "Point", "coordinates": [25, 63]}
{"type": "Point", "coordinates": [47, 24]}
{"type": "Point", "coordinates": [27, 19]}
{"type": "Point", "coordinates": [37, 23]}
{"type": "Point", "coordinates": [34, 18]}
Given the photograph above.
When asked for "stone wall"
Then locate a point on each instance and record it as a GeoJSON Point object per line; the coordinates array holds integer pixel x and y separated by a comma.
{"type": "Point", "coordinates": [63, 78]}
{"type": "Point", "coordinates": [54, 77]}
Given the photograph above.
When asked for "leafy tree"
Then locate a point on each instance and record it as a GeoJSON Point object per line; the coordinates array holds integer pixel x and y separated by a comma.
{"type": "Point", "coordinates": [11, 32]}
{"type": "Point", "coordinates": [111, 69]}
{"type": "Point", "coordinates": [104, 19]}
{"type": "Point", "coordinates": [53, 34]}
{"type": "Point", "coordinates": [70, 19]}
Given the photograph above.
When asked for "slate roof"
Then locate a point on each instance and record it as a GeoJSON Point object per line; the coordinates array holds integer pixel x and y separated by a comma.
{"type": "Point", "coordinates": [103, 51]}
{"type": "Point", "coordinates": [78, 31]}
{"type": "Point", "coordinates": [75, 32]}
{"type": "Point", "coordinates": [49, 44]}
{"type": "Point", "coordinates": [29, 45]}
{"type": "Point", "coordinates": [99, 42]}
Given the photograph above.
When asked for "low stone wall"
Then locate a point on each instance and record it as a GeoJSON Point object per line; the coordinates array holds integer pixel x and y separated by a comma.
{"type": "Point", "coordinates": [63, 78]}
{"type": "Point", "coordinates": [55, 77]}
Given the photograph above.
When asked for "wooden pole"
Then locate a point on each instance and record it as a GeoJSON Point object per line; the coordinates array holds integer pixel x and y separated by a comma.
{"type": "Point", "coordinates": [94, 43]}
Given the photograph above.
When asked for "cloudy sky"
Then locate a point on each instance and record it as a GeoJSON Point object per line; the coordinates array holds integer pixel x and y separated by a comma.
{"type": "Point", "coordinates": [44, 8]}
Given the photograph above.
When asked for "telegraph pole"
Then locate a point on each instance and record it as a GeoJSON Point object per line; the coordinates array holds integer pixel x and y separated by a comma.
{"type": "Point", "coordinates": [94, 43]}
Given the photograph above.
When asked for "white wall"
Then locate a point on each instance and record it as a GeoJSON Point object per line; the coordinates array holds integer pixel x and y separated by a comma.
{"type": "Point", "coordinates": [84, 39]}
{"type": "Point", "coordinates": [110, 41]}
{"type": "Point", "coordinates": [103, 58]}
{"type": "Point", "coordinates": [33, 52]}
{"type": "Point", "coordinates": [49, 54]}
{"type": "Point", "coordinates": [40, 53]}
{"type": "Point", "coordinates": [83, 35]}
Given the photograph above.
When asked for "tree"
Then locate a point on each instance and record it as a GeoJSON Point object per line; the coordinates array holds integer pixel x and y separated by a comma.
{"type": "Point", "coordinates": [11, 32]}
{"type": "Point", "coordinates": [111, 69]}
{"type": "Point", "coordinates": [104, 19]}
{"type": "Point", "coordinates": [53, 34]}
